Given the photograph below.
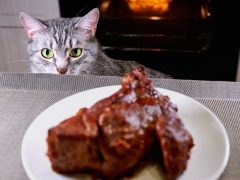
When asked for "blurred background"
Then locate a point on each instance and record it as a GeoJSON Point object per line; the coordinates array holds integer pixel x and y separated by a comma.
{"type": "Point", "coordinates": [187, 39]}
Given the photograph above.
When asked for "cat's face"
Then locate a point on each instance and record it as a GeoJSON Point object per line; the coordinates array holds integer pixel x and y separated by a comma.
{"type": "Point", "coordinates": [61, 46]}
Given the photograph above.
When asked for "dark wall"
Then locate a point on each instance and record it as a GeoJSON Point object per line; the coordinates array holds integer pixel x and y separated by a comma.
{"type": "Point", "coordinates": [218, 63]}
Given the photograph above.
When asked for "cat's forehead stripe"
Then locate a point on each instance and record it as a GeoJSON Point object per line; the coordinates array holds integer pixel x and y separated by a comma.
{"type": "Point", "coordinates": [70, 43]}
{"type": "Point", "coordinates": [48, 44]}
{"type": "Point", "coordinates": [55, 41]}
{"type": "Point", "coordinates": [61, 38]}
{"type": "Point", "coordinates": [51, 44]}
{"type": "Point", "coordinates": [65, 37]}
{"type": "Point", "coordinates": [62, 35]}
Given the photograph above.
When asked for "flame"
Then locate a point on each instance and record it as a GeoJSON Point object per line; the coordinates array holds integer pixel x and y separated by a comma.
{"type": "Point", "coordinates": [149, 5]}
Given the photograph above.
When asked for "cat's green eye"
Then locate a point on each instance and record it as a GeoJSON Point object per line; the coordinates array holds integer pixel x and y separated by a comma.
{"type": "Point", "coordinates": [75, 52]}
{"type": "Point", "coordinates": [47, 53]}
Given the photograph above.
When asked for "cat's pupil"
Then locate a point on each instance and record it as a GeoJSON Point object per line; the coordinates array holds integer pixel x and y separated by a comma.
{"type": "Point", "coordinates": [75, 51]}
{"type": "Point", "coordinates": [47, 52]}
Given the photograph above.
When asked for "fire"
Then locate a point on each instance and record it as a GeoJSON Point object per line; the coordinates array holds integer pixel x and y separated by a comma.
{"type": "Point", "coordinates": [159, 6]}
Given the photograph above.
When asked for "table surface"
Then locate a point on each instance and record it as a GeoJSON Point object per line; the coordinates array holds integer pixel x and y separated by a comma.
{"type": "Point", "coordinates": [23, 96]}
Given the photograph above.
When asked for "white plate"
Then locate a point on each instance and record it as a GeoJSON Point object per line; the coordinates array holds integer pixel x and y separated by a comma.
{"type": "Point", "coordinates": [208, 158]}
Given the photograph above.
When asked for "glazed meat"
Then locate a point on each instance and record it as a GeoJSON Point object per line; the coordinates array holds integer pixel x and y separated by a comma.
{"type": "Point", "coordinates": [112, 136]}
{"type": "Point", "coordinates": [73, 144]}
{"type": "Point", "coordinates": [127, 133]}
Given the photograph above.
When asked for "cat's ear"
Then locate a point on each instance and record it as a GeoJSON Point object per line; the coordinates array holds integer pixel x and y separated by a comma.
{"type": "Point", "coordinates": [89, 22]}
{"type": "Point", "coordinates": [31, 25]}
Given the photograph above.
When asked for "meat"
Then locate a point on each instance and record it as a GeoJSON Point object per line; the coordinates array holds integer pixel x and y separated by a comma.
{"type": "Point", "coordinates": [112, 136]}
{"type": "Point", "coordinates": [126, 134]}
{"type": "Point", "coordinates": [176, 143]}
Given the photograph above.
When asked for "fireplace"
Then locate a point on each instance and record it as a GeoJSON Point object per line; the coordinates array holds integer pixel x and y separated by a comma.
{"type": "Point", "coordinates": [182, 38]}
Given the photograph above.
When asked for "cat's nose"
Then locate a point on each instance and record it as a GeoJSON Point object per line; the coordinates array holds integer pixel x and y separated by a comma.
{"type": "Point", "coordinates": [62, 71]}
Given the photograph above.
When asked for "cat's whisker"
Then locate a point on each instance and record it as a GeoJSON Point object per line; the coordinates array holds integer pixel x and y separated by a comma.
{"type": "Point", "coordinates": [105, 66]}
{"type": "Point", "coordinates": [81, 11]}
{"type": "Point", "coordinates": [20, 61]}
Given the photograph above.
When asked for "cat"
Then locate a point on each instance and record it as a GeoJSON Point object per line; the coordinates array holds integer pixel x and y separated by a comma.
{"type": "Point", "coordinates": [69, 46]}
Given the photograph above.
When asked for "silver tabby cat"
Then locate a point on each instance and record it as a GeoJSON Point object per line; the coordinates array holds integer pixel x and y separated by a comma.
{"type": "Point", "coordinates": [69, 46]}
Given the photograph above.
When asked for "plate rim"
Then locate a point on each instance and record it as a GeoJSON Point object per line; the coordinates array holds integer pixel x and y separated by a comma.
{"type": "Point", "coordinates": [217, 174]}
